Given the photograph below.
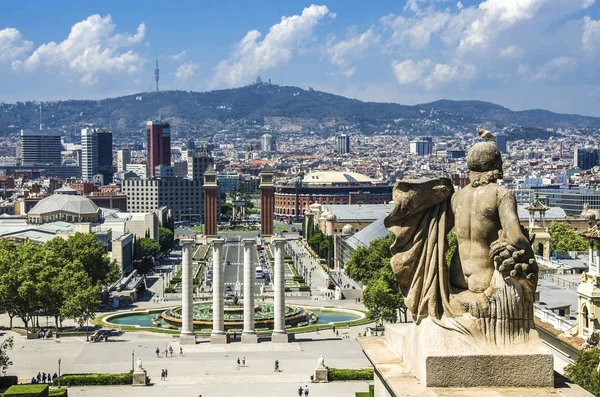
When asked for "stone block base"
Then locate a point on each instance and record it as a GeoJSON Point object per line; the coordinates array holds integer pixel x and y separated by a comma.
{"type": "Point", "coordinates": [443, 358]}
{"type": "Point", "coordinates": [321, 375]}
{"type": "Point", "coordinates": [279, 338]}
{"type": "Point", "coordinates": [187, 339]}
{"type": "Point", "coordinates": [218, 339]}
{"type": "Point", "coordinates": [139, 378]}
{"type": "Point", "coordinates": [249, 338]}
{"type": "Point", "coordinates": [394, 379]}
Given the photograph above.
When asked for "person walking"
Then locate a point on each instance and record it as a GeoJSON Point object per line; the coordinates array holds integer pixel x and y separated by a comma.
{"type": "Point", "coordinates": [166, 352]}
{"type": "Point", "coordinates": [171, 350]}
{"type": "Point", "coordinates": [157, 352]}
{"type": "Point", "coordinates": [306, 391]}
{"type": "Point", "coordinates": [244, 362]}
{"type": "Point", "coordinates": [300, 391]}
{"type": "Point", "coordinates": [167, 374]}
{"type": "Point", "coordinates": [276, 366]}
{"type": "Point", "coordinates": [162, 374]}
{"type": "Point", "coordinates": [238, 362]}
{"type": "Point", "coordinates": [181, 351]}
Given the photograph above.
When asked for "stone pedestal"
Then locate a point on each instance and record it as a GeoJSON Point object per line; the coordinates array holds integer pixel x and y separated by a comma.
{"type": "Point", "coordinates": [139, 377]}
{"type": "Point", "coordinates": [394, 379]}
{"type": "Point", "coordinates": [321, 375]}
{"type": "Point", "coordinates": [187, 335]}
{"type": "Point", "coordinates": [249, 332]}
{"type": "Point", "coordinates": [443, 358]}
{"type": "Point", "coordinates": [279, 333]}
{"type": "Point", "coordinates": [218, 332]}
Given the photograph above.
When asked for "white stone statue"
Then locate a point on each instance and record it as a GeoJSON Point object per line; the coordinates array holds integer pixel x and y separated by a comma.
{"type": "Point", "coordinates": [139, 364]}
{"type": "Point", "coordinates": [321, 362]}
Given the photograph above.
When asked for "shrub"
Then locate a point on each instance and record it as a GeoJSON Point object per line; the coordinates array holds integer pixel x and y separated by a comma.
{"type": "Point", "coordinates": [58, 393]}
{"type": "Point", "coordinates": [94, 379]}
{"type": "Point", "coordinates": [27, 391]}
{"type": "Point", "coordinates": [304, 288]}
{"type": "Point", "coordinates": [350, 374]}
{"type": "Point", "coordinates": [583, 370]}
{"type": "Point", "coordinates": [169, 290]}
{"type": "Point", "coordinates": [8, 381]}
{"type": "Point", "coordinates": [175, 280]}
{"type": "Point", "coordinates": [300, 279]}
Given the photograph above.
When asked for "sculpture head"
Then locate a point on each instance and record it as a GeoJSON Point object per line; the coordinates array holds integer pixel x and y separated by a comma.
{"type": "Point", "coordinates": [485, 163]}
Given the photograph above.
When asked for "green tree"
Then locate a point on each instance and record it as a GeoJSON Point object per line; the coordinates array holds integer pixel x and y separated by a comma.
{"type": "Point", "coordinates": [563, 238]}
{"type": "Point", "coordinates": [584, 370]}
{"type": "Point", "coordinates": [5, 361]}
{"type": "Point", "coordinates": [165, 239]}
{"type": "Point", "coordinates": [148, 250]}
{"type": "Point", "coordinates": [371, 266]}
{"type": "Point", "coordinates": [83, 297]}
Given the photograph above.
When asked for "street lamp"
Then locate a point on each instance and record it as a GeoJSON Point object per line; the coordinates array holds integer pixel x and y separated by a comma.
{"type": "Point", "coordinates": [162, 276]}
{"type": "Point", "coordinates": [132, 359]}
{"type": "Point", "coordinates": [59, 360]}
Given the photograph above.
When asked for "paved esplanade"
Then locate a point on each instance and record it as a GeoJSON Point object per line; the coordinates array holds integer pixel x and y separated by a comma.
{"type": "Point", "coordinates": [218, 332]}
{"type": "Point", "coordinates": [249, 333]}
{"type": "Point", "coordinates": [279, 333]}
{"type": "Point", "coordinates": [187, 303]}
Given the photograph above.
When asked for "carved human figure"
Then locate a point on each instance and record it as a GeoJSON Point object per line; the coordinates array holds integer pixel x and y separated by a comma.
{"type": "Point", "coordinates": [139, 364]}
{"type": "Point", "coordinates": [321, 363]}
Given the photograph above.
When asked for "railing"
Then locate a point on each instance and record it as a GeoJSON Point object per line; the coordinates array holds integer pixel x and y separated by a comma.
{"type": "Point", "coordinates": [548, 316]}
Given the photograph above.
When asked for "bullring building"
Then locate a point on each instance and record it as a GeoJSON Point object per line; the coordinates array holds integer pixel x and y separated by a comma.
{"type": "Point", "coordinates": [329, 187]}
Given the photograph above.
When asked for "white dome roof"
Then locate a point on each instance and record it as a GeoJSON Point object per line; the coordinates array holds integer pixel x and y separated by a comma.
{"type": "Point", "coordinates": [65, 203]}
{"type": "Point", "coordinates": [348, 229]}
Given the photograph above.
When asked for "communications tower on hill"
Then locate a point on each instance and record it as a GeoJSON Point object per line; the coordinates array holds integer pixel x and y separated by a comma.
{"type": "Point", "coordinates": [156, 73]}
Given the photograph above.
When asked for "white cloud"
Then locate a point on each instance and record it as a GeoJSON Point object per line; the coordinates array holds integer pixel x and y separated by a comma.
{"type": "Point", "coordinates": [342, 52]}
{"type": "Point", "coordinates": [253, 56]}
{"type": "Point", "coordinates": [459, 5]}
{"type": "Point", "coordinates": [12, 45]}
{"type": "Point", "coordinates": [555, 68]}
{"type": "Point", "coordinates": [186, 71]}
{"type": "Point", "coordinates": [512, 51]}
{"type": "Point", "coordinates": [90, 50]}
{"type": "Point", "coordinates": [409, 71]}
{"type": "Point", "coordinates": [415, 32]}
{"type": "Point", "coordinates": [591, 34]}
{"type": "Point", "coordinates": [444, 74]}
{"type": "Point", "coordinates": [179, 56]}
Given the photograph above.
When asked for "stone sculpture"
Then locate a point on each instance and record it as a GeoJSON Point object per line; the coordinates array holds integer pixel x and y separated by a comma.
{"type": "Point", "coordinates": [487, 290]}
{"type": "Point", "coordinates": [139, 364]}
{"type": "Point", "coordinates": [321, 363]}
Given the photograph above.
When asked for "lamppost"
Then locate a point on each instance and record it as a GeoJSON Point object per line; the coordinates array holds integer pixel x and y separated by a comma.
{"type": "Point", "coordinates": [162, 276]}
{"type": "Point", "coordinates": [59, 360]}
{"type": "Point", "coordinates": [132, 359]}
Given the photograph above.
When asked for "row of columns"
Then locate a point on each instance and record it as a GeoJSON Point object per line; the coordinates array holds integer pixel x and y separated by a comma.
{"type": "Point", "coordinates": [218, 335]}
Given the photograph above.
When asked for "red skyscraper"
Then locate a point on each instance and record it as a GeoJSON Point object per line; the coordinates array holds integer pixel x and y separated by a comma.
{"type": "Point", "coordinates": [159, 145]}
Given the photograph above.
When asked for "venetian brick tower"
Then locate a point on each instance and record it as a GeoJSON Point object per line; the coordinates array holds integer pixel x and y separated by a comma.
{"type": "Point", "coordinates": [210, 202]}
{"type": "Point", "coordinates": [267, 201]}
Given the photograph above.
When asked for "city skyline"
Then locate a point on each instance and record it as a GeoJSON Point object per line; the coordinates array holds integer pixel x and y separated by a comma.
{"type": "Point", "coordinates": [522, 55]}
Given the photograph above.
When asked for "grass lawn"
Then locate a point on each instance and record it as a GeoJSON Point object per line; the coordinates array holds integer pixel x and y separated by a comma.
{"type": "Point", "coordinates": [198, 228]}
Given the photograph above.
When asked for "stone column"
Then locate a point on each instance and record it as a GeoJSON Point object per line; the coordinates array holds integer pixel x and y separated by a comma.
{"type": "Point", "coordinates": [187, 336]}
{"type": "Point", "coordinates": [279, 333]}
{"type": "Point", "coordinates": [249, 333]}
{"type": "Point", "coordinates": [218, 332]}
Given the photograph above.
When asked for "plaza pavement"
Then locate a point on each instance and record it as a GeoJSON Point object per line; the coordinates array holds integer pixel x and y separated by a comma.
{"type": "Point", "coordinates": [210, 370]}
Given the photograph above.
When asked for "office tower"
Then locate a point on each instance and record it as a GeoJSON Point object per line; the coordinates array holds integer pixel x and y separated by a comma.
{"type": "Point", "coordinates": [501, 142]}
{"type": "Point", "coordinates": [211, 194]}
{"type": "Point", "coordinates": [96, 154]}
{"type": "Point", "coordinates": [421, 147]}
{"type": "Point", "coordinates": [343, 144]}
{"type": "Point", "coordinates": [198, 162]}
{"type": "Point", "coordinates": [123, 159]}
{"type": "Point", "coordinates": [41, 147]}
{"type": "Point", "coordinates": [158, 145]}
{"type": "Point", "coordinates": [267, 143]}
{"type": "Point", "coordinates": [585, 158]}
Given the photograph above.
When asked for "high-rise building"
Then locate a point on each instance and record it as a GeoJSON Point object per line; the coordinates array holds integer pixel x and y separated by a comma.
{"type": "Point", "coordinates": [501, 142]}
{"type": "Point", "coordinates": [198, 161]}
{"type": "Point", "coordinates": [41, 147]}
{"type": "Point", "coordinates": [158, 145]}
{"type": "Point", "coordinates": [96, 154]}
{"type": "Point", "coordinates": [267, 143]}
{"type": "Point", "coordinates": [343, 144]}
{"type": "Point", "coordinates": [585, 158]}
{"type": "Point", "coordinates": [123, 158]}
{"type": "Point", "coordinates": [421, 147]}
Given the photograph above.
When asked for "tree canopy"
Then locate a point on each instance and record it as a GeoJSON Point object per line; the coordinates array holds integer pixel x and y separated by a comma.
{"type": "Point", "coordinates": [371, 266]}
{"type": "Point", "coordinates": [584, 370]}
{"type": "Point", "coordinates": [165, 239]}
{"type": "Point", "coordinates": [61, 278]}
{"type": "Point", "coordinates": [563, 238]}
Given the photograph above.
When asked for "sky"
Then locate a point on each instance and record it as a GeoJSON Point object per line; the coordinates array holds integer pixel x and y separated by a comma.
{"type": "Point", "coordinates": [522, 54]}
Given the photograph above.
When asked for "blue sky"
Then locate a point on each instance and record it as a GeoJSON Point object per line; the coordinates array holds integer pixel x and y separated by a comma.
{"type": "Point", "coordinates": [522, 54]}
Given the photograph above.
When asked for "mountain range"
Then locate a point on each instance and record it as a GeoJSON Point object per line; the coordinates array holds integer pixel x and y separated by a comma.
{"type": "Point", "coordinates": [284, 109]}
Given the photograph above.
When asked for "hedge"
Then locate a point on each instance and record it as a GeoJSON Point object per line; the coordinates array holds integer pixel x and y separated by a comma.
{"type": "Point", "coordinates": [58, 393]}
{"type": "Point", "coordinates": [8, 381]}
{"type": "Point", "coordinates": [94, 379]}
{"type": "Point", "coordinates": [350, 374]}
{"type": "Point", "coordinates": [27, 391]}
